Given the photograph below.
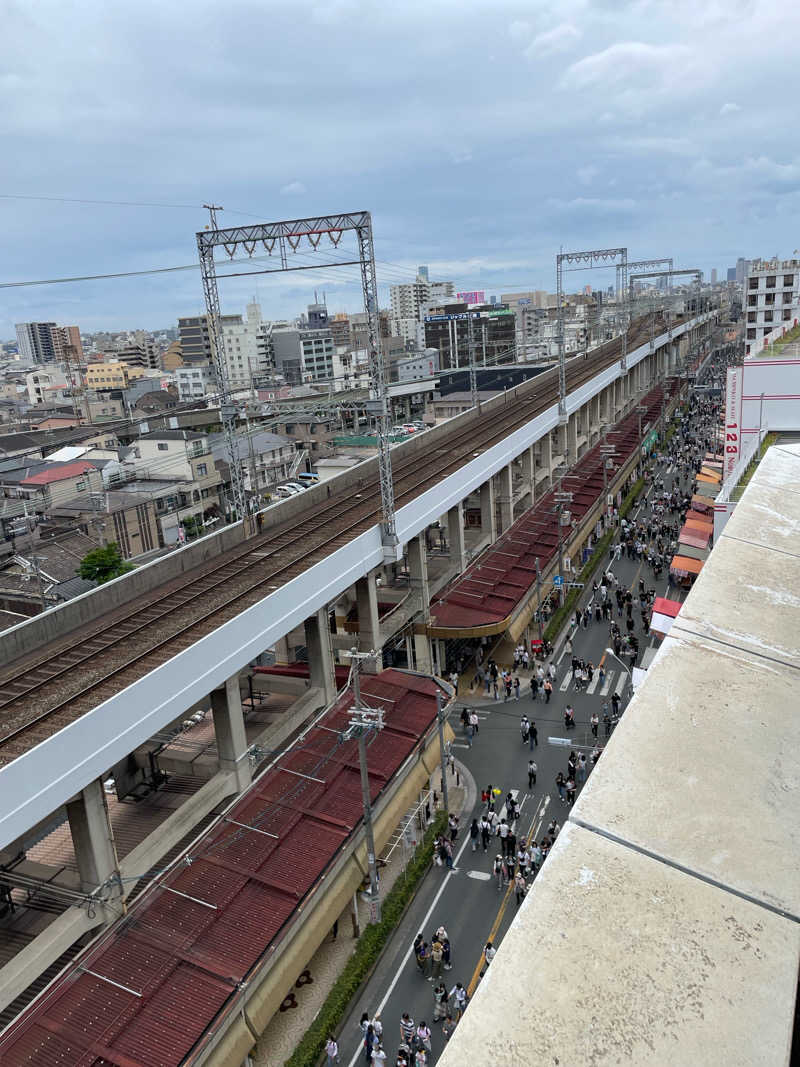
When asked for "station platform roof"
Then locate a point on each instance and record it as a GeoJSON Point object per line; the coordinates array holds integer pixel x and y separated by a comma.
{"type": "Point", "coordinates": [483, 599]}
{"type": "Point", "coordinates": [162, 977]}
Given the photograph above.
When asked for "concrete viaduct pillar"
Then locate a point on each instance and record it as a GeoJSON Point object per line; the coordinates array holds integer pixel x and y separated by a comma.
{"type": "Point", "coordinates": [92, 837]}
{"type": "Point", "coordinates": [226, 708]}
{"type": "Point", "coordinates": [505, 497]}
{"type": "Point", "coordinates": [529, 472]}
{"type": "Point", "coordinates": [418, 570]}
{"type": "Point", "coordinates": [455, 535]}
{"type": "Point", "coordinates": [488, 520]}
{"type": "Point", "coordinates": [320, 654]}
{"type": "Point", "coordinates": [368, 619]}
{"type": "Point", "coordinates": [572, 439]}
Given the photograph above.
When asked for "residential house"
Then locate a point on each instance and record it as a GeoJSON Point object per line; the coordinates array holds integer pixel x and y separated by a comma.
{"type": "Point", "coordinates": [265, 459]}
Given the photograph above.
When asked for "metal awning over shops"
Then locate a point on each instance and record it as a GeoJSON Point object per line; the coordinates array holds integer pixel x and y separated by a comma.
{"type": "Point", "coordinates": [684, 566]}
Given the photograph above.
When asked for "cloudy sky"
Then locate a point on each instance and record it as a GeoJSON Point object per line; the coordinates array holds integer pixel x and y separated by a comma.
{"type": "Point", "coordinates": [482, 136]}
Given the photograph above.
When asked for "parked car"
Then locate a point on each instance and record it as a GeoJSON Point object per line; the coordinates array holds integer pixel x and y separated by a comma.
{"type": "Point", "coordinates": [286, 491]}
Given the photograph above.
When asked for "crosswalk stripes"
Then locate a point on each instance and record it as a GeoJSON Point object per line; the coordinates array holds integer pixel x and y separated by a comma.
{"type": "Point", "coordinates": [565, 683]}
{"type": "Point", "coordinates": [621, 683]}
{"type": "Point", "coordinates": [607, 683]}
{"type": "Point", "coordinates": [590, 688]}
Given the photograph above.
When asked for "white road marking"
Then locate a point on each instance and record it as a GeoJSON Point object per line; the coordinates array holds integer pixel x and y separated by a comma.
{"type": "Point", "coordinates": [590, 688]}
{"type": "Point", "coordinates": [623, 677]}
{"type": "Point", "coordinates": [359, 1053]}
{"type": "Point", "coordinates": [607, 683]}
{"type": "Point", "coordinates": [457, 744]}
{"type": "Point", "coordinates": [480, 876]}
{"type": "Point", "coordinates": [565, 683]}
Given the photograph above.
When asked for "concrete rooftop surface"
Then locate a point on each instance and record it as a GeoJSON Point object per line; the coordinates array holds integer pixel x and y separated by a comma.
{"type": "Point", "coordinates": [664, 924]}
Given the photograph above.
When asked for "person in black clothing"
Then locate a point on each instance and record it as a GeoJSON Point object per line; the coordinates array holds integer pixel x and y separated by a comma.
{"type": "Point", "coordinates": [615, 700]}
{"type": "Point", "coordinates": [534, 735]}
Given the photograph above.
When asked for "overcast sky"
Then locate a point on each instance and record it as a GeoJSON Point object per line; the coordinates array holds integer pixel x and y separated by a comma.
{"type": "Point", "coordinates": [481, 135]}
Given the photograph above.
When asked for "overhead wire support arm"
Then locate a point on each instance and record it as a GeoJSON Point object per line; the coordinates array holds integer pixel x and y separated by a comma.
{"type": "Point", "coordinates": [283, 239]}
{"type": "Point", "coordinates": [583, 260]}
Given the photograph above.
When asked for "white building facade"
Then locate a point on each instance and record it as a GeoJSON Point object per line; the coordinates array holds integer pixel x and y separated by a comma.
{"type": "Point", "coordinates": [410, 300]}
{"type": "Point", "coordinates": [772, 297]}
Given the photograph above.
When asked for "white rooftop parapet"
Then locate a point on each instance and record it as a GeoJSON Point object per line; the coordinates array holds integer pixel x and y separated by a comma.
{"type": "Point", "coordinates": [664, 927]}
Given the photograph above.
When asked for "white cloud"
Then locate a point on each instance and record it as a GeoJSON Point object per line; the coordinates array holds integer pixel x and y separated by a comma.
{"type": "Point", "coordinates": [548, 43]}
{"type": "Point", "coordinates": [628, 61]}
{"type": "Point", "coordinates": [586, 175]}
{"type": "Point", "coordinates": [729, 109]}
{"type": "Point", "coordinates": [293, 189]}
{"type": "Point", "coordinates": [594, 205]}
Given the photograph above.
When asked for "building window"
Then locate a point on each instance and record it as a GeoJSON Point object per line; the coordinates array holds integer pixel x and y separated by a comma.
{"type": "Point", "coordinates": [202, 470]}
{"type": "Point", "coordinates": [787, 314]}
{"type": "Point", "coordinates": [787, 298]}
{"type": "Point", "coordinates": [751, 316]}
{"type": "Point", "coordinates": [80, 485]}
{"type": "Point", "coordinates": [751, 335]}
{"type": "Point", "coordinates": [163, 446]}
{"type": "Point", "coordinates": [752, 301]}
{"type": "Point", "coordinates": [769, 298]}
{"type": "Point", "coordinates": [754, 283]}
{"type": "Point", "coordinates": [788, 279]}
{"type": "Point", "coordinates": [767, 316]}
{"type": "Point", "coordinates": [771, 281]}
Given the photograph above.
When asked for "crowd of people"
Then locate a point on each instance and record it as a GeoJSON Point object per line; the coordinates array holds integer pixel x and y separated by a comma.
{"type": "Point", "coordinates": [650, 538]}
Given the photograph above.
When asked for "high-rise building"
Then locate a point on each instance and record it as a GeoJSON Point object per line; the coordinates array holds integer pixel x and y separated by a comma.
{"type": "Point", "coordinates": [46, 342]}
{"type": "Point", "coordinates": [195, 341]}
{"type": "Point", "coordinates": [409, 301]}
{"type": "Point", "coordinates": [772, 297]}
{"type": "Point", "coordinates": [731, 274]}
{"type": "Point", "coordinates": [36, 343]}
{"type": "Point", "coordinates": [713, 275]}
{"type": "Point", "coordinates": [742, 269]}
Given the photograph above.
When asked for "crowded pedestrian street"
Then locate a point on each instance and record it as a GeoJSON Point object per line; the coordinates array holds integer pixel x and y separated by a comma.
{"type": "Point", "coordinates": [529, 732]}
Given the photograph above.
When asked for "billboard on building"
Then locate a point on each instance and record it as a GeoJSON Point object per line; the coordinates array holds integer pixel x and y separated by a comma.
{"type": "Point", "coordinates": [476, 297]}
{"type": "Point", "coordinates": [733, 419]}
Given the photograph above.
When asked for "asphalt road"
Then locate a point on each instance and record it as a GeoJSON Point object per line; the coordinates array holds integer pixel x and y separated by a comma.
{"type": "Point", "coordinates": [466, 900]}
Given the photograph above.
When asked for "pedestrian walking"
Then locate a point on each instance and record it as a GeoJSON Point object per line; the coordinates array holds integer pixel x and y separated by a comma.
{"type": "Point", "coordinates": [520, 887]}
{"type": "Point", "coordinates": [489, 953]}
{"type": "Point", "coordinates": [331, 1051]}
{"type": "Point", "coordinates": [532, 769]}
{"type": "Point", "coordinates": [548, 691]}
{"type": "Point", "coordinates": [534, 737]}
{"type": "Point", "coordinates": [440, 1002]}
{"type": "Point", "coordinates": [594, 721]}
{"type": "Point", "coordinates": [407, 1029]}
{"type": "Point", "coordinates": [474, 834]}
{"type": "Point", "coordinates": [458, 1000]}
{"type": "Point", "coordinates": [448, 1026]}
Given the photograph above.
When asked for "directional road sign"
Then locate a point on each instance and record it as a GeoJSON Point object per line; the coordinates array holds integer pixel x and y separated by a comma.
{"type": "Point", "coordinates": [558, 579]}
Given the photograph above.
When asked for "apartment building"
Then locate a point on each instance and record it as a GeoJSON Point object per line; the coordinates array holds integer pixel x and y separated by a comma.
{"type": "Point", "coordinates": [772, 297]}
{"type": "Point", "coordinates": [46, 342]}
{"type": "Point", "coordinates": [410, 299]}
{"type": "Point", "coordinates": [447, 329]}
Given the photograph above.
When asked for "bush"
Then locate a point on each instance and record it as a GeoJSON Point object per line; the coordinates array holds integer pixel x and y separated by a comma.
{"type": "Point", "coordinates": [366, 953]}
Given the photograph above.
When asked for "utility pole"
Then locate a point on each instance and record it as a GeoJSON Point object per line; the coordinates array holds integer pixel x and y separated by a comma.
{"type": "Point", "coordinates": [539, 602]}
{"type": "Point", "coordinates": [364, 721]}
{"type": "Point", "coordinates": [561, 498]}
{"type": "Point", "coordinates": [36, 560]}
{"type": "Point", "coordinates": [607, 451]}
{"type": "Point", "coordinates": [473, 382]}
{"type": "Point", "coordinates": [442, 754]}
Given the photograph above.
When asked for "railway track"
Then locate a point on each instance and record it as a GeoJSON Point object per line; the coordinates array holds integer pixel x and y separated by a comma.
{"type": "Point", "coordinates": [43, 693]}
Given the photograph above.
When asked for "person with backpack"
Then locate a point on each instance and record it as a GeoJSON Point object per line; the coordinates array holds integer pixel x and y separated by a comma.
{"type": "Point", "coordinates": [440, 1001]}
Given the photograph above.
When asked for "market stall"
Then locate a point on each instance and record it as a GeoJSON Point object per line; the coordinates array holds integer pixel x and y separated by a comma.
{"type": "Point", "coordinates": [683, 570]}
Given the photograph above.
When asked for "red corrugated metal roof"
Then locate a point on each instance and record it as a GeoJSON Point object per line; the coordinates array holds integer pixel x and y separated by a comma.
{"type": "Point", "coordinates": [59, 474]}
{"type": "Point", "coordinates": [489, 591]}
{"type": "Point", "coordinates": [189, 941]}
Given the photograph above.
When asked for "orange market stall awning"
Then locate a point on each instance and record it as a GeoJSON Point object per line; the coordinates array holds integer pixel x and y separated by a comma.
{"type": "Point", "coordinates": [699, 519]}
{"type": "Point", "coordinates": [684, 566]}
{"type": "Point", "coordinates": [709, 472]}
{"type": "Point", "coordinates": [701, 503]}
{"type": "Point", "coordinates": [714, 457]}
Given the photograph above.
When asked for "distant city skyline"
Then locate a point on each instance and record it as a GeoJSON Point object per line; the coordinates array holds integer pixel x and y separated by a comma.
{"type": "Point", "coordinates": [579, 124]}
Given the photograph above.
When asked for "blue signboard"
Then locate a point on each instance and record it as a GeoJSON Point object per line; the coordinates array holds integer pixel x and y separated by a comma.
{"type": "Point", "coordinates": [558, 579]}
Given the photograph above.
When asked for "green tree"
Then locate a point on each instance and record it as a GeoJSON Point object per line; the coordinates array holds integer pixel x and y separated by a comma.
{"type": "Point", "coordinates": [102, 564]}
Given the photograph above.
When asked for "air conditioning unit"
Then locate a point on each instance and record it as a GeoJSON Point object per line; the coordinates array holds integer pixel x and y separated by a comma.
{"type": "Point", "coordinates": [566, 518]}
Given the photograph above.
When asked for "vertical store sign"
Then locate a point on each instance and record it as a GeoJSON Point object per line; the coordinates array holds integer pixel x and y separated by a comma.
{"type": "Point", "coordinates": [733, 419]}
